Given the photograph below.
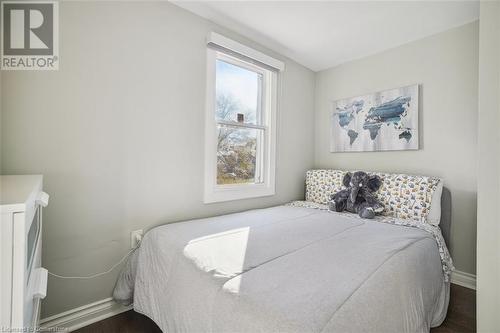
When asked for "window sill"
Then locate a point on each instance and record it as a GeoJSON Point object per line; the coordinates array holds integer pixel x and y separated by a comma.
{"type": "Point", "coordinates": [237, 192]}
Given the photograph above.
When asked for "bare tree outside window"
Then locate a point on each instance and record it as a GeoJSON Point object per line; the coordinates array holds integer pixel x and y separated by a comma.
{"type": "Point", "coordinates": [236, 147]}
{"type": "Point", "coordinates": [238, 92]}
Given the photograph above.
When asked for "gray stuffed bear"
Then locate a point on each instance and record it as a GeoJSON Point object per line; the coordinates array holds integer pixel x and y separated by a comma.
{"type": "Point", "coordinates": [359, 195]}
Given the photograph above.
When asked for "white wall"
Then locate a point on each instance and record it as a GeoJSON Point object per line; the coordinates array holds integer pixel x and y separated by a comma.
{"type": "Point", "coordinates": [118, 134]}
{"type": "Point", "coordinates": [446, 67]}
{"type": "Point", "coordinates": [488, 227]}
{"type": "Point", "coordinates": [1, 98]}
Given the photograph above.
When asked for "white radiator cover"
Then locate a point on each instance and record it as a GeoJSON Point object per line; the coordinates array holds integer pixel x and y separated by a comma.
{"type": "Point", "coordinates": [23, 282]}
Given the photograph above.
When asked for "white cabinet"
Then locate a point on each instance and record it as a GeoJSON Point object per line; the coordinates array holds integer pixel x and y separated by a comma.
{"type": "Point", "coordinates": [23, 282]}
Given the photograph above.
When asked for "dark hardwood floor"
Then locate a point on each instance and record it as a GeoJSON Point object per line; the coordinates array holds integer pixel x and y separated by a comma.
{"type": "Point", "coordinates": [461, 315]}
{"type": "Point", "coordinates": [461, 318]}
{"type": "Point", "coordinates": [127, 322]}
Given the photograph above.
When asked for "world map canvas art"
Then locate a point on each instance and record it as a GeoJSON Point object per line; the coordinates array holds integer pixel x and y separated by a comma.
{"type": "Point", "coordinates": [386, 120]}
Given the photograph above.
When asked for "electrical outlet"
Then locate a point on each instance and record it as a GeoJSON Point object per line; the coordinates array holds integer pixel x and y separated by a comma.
{"type": "Point", "coordinates": [135, 238]}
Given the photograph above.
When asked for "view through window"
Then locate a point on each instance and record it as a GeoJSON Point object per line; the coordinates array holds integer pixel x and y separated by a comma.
{"type": "Point", "coordinates": [239, 118]}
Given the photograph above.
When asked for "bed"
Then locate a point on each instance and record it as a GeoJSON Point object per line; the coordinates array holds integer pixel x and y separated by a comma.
{"type": "Point", "coordinates": [290, 268]}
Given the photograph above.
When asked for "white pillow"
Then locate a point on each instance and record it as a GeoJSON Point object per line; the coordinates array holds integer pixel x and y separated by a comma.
{"type": "Point", "coordinates": [434, 216]}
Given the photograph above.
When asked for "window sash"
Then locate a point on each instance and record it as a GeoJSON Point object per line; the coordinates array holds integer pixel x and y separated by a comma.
{"type": "Point", "coordinates": [240, 125]}
{"type": "Point", "coordinates": [261, 111]}
{"type": "Point", "coordinates": [261, 93]}
{"type": "Point", "coordinates": [260, 156]}
{"type": "Point", "coordinates": [240, 63]}
{"type": "Point", "coordinates": [266, 154]}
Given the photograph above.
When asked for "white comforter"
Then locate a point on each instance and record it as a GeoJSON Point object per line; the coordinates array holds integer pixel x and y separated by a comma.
{"type": "Point", "coordinates": [287, 269]}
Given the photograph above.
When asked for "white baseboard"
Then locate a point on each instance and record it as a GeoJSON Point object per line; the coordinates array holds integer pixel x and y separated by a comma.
{"type": "Point", "coordinates": [464, 279]}
{"type": "Point", "coordinates": [82, 316]}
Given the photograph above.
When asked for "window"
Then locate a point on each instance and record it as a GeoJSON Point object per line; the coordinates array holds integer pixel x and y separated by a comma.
{"type": "Point", "coordinates": [240, 121]}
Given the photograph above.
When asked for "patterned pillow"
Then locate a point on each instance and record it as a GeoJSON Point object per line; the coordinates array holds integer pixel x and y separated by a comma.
{"type": "Point", "coordinates": [407, 196]}
{"type": "Point", "coordinates": [404, 196]}
{"type": "Point", "coordinates": [320, 184]}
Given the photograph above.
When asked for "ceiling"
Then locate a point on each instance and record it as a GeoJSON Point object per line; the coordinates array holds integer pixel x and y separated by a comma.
{"type": "Point", "coordinates": [323, 34]}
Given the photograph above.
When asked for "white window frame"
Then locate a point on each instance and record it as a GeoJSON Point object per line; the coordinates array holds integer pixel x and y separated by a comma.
{"type": "Point", "coordinates": [214, 192]}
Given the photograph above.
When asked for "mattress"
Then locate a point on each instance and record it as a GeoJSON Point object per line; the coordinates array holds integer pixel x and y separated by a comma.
{"type": "Point", "coordinates": [287, 269]}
